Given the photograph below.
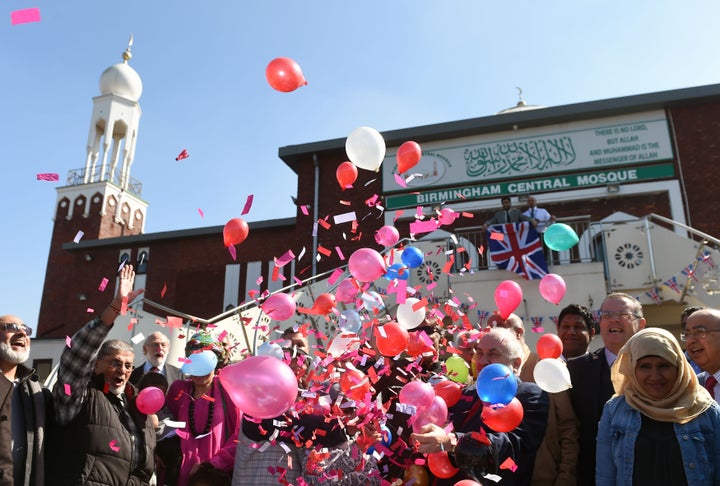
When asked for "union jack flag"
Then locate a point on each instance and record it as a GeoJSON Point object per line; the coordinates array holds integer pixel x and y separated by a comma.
{"type": "Point", "coordinates": [654, 295]}
{"type": "Point", "coordinates": [554, 319]}
{"type": "Point", "coordinates": [482, 315]}
{"type": "Point", "coordinates": [537, 324]}
{"type": "Point", "coordinates": [596, 315]}
{"type": "Point", "coordinates": [519, 251]}
{"type": "Point", "coordinates": [689, 272]}
{"type": "Point", "coordinates": [706, 258]}
{"type": "Point", "coordinates": [673, 284]}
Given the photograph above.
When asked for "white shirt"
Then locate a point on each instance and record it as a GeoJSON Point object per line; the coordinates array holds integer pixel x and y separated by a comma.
{"type": "Point", "coordinates": [541, 216]}
{"type": "Point", "coordinates": [610, 357]}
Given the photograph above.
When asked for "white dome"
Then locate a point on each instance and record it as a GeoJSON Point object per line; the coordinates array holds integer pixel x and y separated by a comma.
{"type": "Point", "coordinates": [121, 80]}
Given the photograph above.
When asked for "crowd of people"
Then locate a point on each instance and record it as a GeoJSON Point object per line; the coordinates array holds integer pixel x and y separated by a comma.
{"type": "Point", "coordinates": [637, 412]}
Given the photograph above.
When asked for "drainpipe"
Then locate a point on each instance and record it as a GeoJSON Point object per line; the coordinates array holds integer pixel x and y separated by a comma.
{"type": "Point", "coordinates": [316, 215]}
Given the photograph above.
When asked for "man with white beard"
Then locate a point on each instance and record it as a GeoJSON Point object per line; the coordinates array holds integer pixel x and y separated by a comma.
{"type": "Point", "coordinates": [102, 437]}
{"type": "Point", "coordinates": [22, 409]}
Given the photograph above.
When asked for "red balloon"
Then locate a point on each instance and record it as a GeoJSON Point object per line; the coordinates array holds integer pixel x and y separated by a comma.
{"type": "Point", "coordinates": [346, 175]}
{"type": "Point", "coordinates": [284, 74]}
{"type": "Point", "coordinates": [355, 384]}
{"type": "Point", "coordinates": [467, 482]}
{"type": "Point", "coordinates": [440, 465]}
{"type": "Point", "coordinates": [150, 400]}
{"type": "Point", "coordinates": [323, 305]}
{"type": "Point", "coordinates": [408, 155]}
{"type": "Point", "coordinates": [449, 391]}
{"type": "Point", "coordinates": [418, 344]}
{"type": "Point", "coordinates": [549, 346]}
{"type": "Point", "coordinates": [503, 418]}
{"type": "Point", "coordinates": [391, 339]}
{"type": "Point", "coordinates": [508, 296]}
{"type": "Point", "coordinates": [235, 231]}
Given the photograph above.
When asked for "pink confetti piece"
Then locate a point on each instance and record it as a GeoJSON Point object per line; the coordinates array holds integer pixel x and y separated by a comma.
{"type": "Point", "coordinates": [184, 360]}
{"type": "Point", "coordinates": [78, 237]}
{"type": "Point", "coordinates": [174, 322]}
{"type": "Point", "coordinates": [232, 251]}
{"type": "Point", "coordinates": [68, 389]}
{"type": "Point", "coordinates": [419, 213]}
{"type": "Point", "coordinates": [509, 464]}
{"type": "Point", "coordinates": [25, 16]}
{"type": "Point", "coordinates": [103, 285]}
{"type": "Point", "coordinates": [285, 259]}
{"type": "Point", "coordinates": [90, 310]}
{"type": "Point", "coordinates": [304, 210]}
{"type": "Point", "coordinates": [68, 341]}
{"type": "Point", "coordinates": [48, 176]}
{"type": "Point", "coordinates": [113, 445]}
{"type": "Point", "coordinates": [340, 253]}
{"type": "Point", "coordinates": [164, 289]}
{"type": "Point", "coordinates": [399, 180]}
{"type": "Point", "coordinates": [200, 212]}
{"type": "Point", "coordinates": [423, 226]}
{"type": "Point", "coordinates": [335, 275]}
{"type": "Point", "coordinates": [496, 236]}
{"type": "Point", "coordinates": [248, 205]}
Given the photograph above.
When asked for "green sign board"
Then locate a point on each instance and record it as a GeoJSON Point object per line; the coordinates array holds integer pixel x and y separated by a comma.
{"type": "Point", "coordinates": [482, 191]}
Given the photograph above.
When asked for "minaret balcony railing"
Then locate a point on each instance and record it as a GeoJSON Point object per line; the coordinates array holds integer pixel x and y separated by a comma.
{"type": "Point", "coordinates": [76, 177]}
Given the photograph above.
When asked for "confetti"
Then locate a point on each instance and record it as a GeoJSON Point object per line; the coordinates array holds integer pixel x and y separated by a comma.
{"type": "Point", "coordinates": [200, 212]}
{"type": "Point", "coordinates": [113, 445]}
{"type": "Point", "coordinates": [48, 177]}
{"type": "Point", "coordinates": [68, 389]}
{"type": "Point", "coordinates": [345, 218]}
{"type": "Point", "coordinates": [285, 259]}
{"type": "Point", "coordinates": [78, 237]}
{"type": "Point", "coordinates": [183, 155]}
{"type": "Point", "coordinates": [248, 204]}
{"type": "Point", "coordinates": [399, 180]}
{"type": "Point", "coordinates": [164, 289]}
{"type": "Point", "coordinates": [25, 16]}
{"type": "Point", "coordinates": [233, 252]}
{"type": "Point", "coordinates": [509, 464]}
{"type": "Point", "coordinates": [103, 284]}
{"type": "Point", "coordinates": [496, 236]}
{"type": "Point", "coordinates": [68, 341]}
{"type": "Point", "coordinates": [137, 338]}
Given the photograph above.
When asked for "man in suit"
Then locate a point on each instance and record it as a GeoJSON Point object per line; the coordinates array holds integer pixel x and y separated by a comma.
{"type": "Point", "coordinates": [508, 215]}
{"type": "Point", "coordinates": [621, 316]}
{"type": "Point", "coordinates": [702, 341]}
{"type": "Point", "coordinates": [155, 349]}
{"type": "Point", "coordinates": [541, 215]}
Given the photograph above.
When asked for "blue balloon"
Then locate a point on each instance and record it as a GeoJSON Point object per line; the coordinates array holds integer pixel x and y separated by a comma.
{"type": "Point", "coordinates": [496, 384]}
{"type": "Point", "coordinates": [350, 321]}
{"type": "Point", "coordinates": [412, 257]}
{"type": "Point", "coordinates": [560, 237]}
{"type": "Point", "coordinates": [397, 271]}
{"type": "Point", "coordinates": [386, 438]}
{"type": "Point", "coordinates": [200, 364]}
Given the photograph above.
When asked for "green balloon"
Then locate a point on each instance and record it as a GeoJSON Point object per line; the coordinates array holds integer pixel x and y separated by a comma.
{"type": "Point", "coordinates": [560, 237]}
{"type": "Point", "coordinates": [457, 369]}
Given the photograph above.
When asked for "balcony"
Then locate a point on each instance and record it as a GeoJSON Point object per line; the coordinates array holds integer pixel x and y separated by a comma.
{"type": "Point", "coordinates": [76, 177]}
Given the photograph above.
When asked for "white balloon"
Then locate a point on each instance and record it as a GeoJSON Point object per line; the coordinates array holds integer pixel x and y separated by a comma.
{"type": "Point", "coordinates": [270, 349]}
{"type": "Point", "coordinates": [407, 317]}
{"type": "Point", "coordinates": [552, 375]}
{"type": "Point", "coordinates": [365, 148]}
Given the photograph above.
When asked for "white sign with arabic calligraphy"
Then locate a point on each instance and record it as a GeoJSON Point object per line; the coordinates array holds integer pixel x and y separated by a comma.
{"type": "Point", "coordinates": [569, 147]}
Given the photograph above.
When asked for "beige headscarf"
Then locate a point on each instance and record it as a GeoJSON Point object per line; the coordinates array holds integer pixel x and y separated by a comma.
{"type": "Point", "coordinates": [686, 400]}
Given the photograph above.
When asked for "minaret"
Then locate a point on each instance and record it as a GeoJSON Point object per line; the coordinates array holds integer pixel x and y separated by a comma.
{"type": "Point", "coordinates": [101, 199]}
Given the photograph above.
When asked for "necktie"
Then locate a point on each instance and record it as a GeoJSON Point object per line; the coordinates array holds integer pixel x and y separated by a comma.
{"type": "Point", "coordinates": [155, 369]}
{"type": "Point", "coordinates": [507, 216]}
{"type": "Point", "coordinates": [710, 385]}
{"type": "Point", "coordinates": [532, 213]}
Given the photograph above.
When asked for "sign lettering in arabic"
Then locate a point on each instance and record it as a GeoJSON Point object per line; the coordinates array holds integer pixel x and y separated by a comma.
{"type": "Point", "coordinates": [591, 179]}
{"type": "Point", "coordinates": [606, 142]}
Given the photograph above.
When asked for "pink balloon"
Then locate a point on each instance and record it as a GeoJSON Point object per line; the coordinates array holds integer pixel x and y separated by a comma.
{"type": "Point", "coordinates": [447, 216]}
{"type": "Point", "coordinates": [279, 307]}
{"type": "Point", "coordinates": [552, 288]}
{"type": "Point", "coordinates": [366, 265]}
{"type": "Point", "coordinates": [150, 400]}
{"type": "Point", "coordinates": [261, 386]}
{"type": "Point", "coordinates": [435, 413]}
{"type": "Point", "coordinates": [508, 296]}
{"type": "Point", "coordinates": [387, 236]}
{"type": "Point", "coordinates": [418, 394]}
{"type": "Point", "coordinates": [346, 291]}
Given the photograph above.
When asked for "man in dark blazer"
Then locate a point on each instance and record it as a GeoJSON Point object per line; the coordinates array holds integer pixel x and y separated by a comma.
{"type": "Point", "coordinates": [508, 215]}
{"type": "Point", "coordinates": [156, 349]}
{"type": "Point", "coordinates": [621, 316]}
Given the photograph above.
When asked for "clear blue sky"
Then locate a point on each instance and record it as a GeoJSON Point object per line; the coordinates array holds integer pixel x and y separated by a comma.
{"type": "Point", "coordinates": [388, 64]}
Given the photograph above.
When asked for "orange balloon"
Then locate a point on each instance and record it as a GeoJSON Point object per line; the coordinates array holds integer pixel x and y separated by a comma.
{"type": "Point", "coordinates": [440, 466]}
{"type": "Point", "coordinates": [346, 175]}
{"type": "Point", "coordinates": [503, 418]}
{"type": "Point", "coordinates": [235, 231]}
{"type": "Point", "coordinates": [284, 74]}
{"type": "Point", "coordinates": [355, 384]}
{"type": "Point", "coordinates": [549, 346]}
{"type": "Point", "coordinates": [416, 475]}
{"type": "Point", "coordinates": [408, 155]}
{"type": "Point", "coordinates": [391, 339]}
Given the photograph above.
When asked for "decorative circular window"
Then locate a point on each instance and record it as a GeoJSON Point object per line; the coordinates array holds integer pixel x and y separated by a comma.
{"type": "Point", "coordinates": [629, 255]}
{"type": "Point", "coordinates": [111, 202]}
{"type": "Point", "coordinates": [96, 199]}
{"type": "Point", "coordinates": [63, 204]}
{"type": "Point", "coordinates": [428, 272]}
{"type": "Point", "coordinates": [80, 202]}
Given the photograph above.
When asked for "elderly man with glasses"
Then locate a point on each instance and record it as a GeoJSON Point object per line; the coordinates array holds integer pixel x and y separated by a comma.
{"type": "Point", "coordinates": [702, 341]}
{"type": "Point", "coordinates": [22, 409]}
{"type": "Point", "coordinates": [102, 437]}
{"type": "Point", "coordinates": [621, 316]}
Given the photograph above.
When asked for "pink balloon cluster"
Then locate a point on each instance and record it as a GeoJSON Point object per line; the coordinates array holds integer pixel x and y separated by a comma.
{"type": "Point", "coordinates": [429, 408]}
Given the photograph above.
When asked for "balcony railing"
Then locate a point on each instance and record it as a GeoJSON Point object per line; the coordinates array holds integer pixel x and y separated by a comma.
{"type": "Point", "coordinates": [76, 177]}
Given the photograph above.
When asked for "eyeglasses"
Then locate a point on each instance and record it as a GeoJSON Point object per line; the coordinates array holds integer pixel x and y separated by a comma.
{"type": "Point", "coordinates": [15, 327]}
{"type": "Point", "coordinates": [624, 316]}
{"type": "Point", "coordinates": [116, 364]}
{"type": "Point", "coordinates": [700, 333]}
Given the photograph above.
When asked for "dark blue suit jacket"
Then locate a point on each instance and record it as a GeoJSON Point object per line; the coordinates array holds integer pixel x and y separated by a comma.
{"type": "Point", "coordinates": [591, 388]}
{"type": "Point", "coordinates": [521, 444]}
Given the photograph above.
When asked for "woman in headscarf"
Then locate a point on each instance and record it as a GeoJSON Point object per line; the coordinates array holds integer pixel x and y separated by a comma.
{"type": "Point", "coordinates": [661, 427]}
{"type": "Point", "coordinates": [210, 416]}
